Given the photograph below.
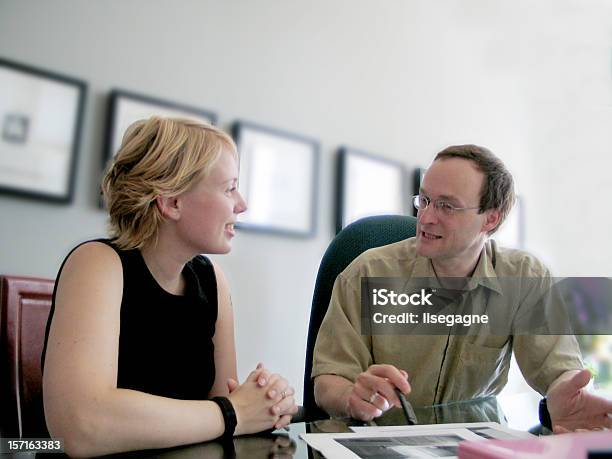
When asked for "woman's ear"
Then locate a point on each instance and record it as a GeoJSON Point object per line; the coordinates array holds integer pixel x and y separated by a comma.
{"type": "Point", "coordinates": [168, 207]}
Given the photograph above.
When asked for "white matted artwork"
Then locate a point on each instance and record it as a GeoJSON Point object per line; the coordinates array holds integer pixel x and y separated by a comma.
{"type": "Point", "coordinates": [127, 107]}
{"type": "Point", "coordinates": [368, 185]}
{"type": "Point", "coordinates": [40, 125]}
{"type": "Point", "coordinates": [278, 180]}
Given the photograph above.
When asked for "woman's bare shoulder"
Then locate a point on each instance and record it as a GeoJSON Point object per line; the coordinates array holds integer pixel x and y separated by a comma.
{"type": "Point", "coordinates": [89, 266]}
{"type": "Point", "coordinates": [93, 255]}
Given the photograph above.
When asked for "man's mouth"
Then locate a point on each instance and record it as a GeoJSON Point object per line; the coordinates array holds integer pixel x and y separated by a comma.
{"type": "Point", "coordinates": [230, 227]}
{"type": "Point", "coordinates": [430, 236]}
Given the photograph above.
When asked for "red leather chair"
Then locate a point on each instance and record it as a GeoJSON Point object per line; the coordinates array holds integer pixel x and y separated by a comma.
{"type": "Point", "coordinates": [25, 304]}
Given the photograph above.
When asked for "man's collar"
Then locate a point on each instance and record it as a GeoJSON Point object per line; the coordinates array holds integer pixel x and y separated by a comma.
{"type": "Point", "coordinates": [423, 268]}
{"type": "Point", "coordinates": [484, 273]}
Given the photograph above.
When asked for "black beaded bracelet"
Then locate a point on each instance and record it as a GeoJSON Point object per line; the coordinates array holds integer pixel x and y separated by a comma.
{"type": "Point", "coordinates": [229, 416]}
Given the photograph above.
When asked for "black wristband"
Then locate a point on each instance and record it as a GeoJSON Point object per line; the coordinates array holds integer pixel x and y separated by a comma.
{"type": "Point", "coordinates": [544, 414]}
{"type": "Point", "coordinates": [229, 416]}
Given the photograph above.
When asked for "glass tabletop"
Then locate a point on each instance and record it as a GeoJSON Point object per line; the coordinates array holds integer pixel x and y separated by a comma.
{"type": "Point", "coordinates": [287, 444]}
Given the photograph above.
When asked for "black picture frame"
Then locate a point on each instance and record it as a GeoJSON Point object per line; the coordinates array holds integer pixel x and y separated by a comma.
{"type": "Point", "coordinates": [125, 107]}
{"type": "Point", "coordinates": [377, 176]}
{"type": "Point", "coordinates": [279, 176]}
{"type": "Point", "coordinates": [41, 117]}
{"type": "Point", "coordinates": [417, 178]}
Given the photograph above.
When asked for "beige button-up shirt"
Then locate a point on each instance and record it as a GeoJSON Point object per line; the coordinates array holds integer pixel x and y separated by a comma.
{"type": "Point", "coordinates": [441, 368]}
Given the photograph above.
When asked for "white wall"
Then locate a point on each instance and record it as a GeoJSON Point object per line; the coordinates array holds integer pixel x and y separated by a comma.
{"type": "Point", "coordinates": [530, 79]}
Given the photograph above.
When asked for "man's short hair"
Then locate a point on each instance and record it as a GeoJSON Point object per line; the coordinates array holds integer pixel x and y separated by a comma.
{"type": "Point", "coordinates": [498, 187]}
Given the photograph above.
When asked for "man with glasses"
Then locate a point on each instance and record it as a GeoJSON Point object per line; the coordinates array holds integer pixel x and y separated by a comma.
{"type": "Point", "coordinates": [466, 194]}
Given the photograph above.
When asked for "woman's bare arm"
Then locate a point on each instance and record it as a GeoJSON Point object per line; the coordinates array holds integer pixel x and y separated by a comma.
{"type": "Point", "coordinates": [225, 348]}
{"type": "Point", "coordinates": [82, 402]}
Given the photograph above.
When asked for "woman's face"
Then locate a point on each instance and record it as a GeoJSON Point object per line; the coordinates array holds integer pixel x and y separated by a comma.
{"type": "Point", "coordinates": [209, 209]}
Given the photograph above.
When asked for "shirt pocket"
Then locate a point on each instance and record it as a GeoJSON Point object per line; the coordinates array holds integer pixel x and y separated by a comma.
{"type": "Point", "coordinates": [483, 368]}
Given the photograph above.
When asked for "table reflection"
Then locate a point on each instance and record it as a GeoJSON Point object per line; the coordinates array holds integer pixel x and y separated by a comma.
{"type": "Point", "coordinates": [262, 446]}
{"type": "Point", "coordinates": [281, 444]}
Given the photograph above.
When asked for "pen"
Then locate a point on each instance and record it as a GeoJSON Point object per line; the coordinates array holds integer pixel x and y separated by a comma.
{"type": "Point", "coordinates": [407, 408]}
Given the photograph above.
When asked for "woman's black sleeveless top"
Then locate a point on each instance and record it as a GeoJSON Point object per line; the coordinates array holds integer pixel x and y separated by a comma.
{"type": "Point", "coordinates": [165, 340]}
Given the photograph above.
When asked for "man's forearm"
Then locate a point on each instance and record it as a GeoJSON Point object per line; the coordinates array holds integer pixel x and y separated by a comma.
{"type": "Point", "coordinates": [332, 394]}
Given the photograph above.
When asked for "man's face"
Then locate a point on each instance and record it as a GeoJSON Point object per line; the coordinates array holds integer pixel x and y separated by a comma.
{"type": "Point", "coordinates": [460, 235]}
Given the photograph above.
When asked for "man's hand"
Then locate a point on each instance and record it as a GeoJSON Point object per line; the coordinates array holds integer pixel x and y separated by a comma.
{"type": "Point", "coordinates": [374, 391]}
{"type": "Point", "coordinates": [571, 407]}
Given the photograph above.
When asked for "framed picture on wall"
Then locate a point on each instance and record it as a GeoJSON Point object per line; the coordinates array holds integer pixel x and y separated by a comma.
{"type": "Point", "coordinates": [278, 179]}
{"type": "Point", "coordinates": [417, 178]}
{"type": "Point", "coordinates": [40, 128]}
{"type": "Point", "coordinates": [368, 185]}
{"type": "Point", "coordinates": [125, 107]}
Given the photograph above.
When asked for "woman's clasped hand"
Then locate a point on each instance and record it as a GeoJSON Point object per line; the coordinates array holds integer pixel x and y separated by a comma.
{"type": "Point", "coordinates": [263, 401]}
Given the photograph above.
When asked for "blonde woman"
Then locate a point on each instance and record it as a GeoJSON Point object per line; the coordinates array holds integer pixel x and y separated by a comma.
{"type": "Point", "coordinates": [139, 351]}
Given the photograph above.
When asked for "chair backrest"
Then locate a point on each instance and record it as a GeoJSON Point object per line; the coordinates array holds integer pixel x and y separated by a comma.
{"type": "Point", "coordinates": [347, 245]}
{"type": "Point", "coordinates": [25, 304]}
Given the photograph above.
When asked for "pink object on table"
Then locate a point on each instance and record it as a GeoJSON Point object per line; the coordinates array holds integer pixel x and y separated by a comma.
{"type": "Point", "coordinates": [566, 446]}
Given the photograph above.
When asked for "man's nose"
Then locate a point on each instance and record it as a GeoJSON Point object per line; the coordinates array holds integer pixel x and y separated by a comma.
{"type": "Point", "coordinates": [427, 215]}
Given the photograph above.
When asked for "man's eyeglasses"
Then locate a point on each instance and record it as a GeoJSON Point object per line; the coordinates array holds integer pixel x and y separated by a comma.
{"type": "Point", "coordinates": [421, 202]}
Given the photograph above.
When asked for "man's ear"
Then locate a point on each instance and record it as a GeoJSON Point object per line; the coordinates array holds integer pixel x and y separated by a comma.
{"type": "Point", "coordinates": [169, 207]}
{"type": "Point", "coordinates": [492, 220]}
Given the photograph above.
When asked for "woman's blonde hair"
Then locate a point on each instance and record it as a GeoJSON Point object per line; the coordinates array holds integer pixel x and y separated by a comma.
{"type": "Point", "coordinates": [157, 157]}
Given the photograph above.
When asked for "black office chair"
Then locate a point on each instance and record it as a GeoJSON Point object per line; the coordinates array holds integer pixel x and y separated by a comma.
{"type": "Point", "coordinates": [347, 245]}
